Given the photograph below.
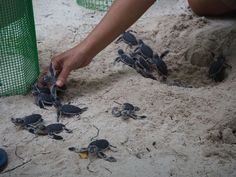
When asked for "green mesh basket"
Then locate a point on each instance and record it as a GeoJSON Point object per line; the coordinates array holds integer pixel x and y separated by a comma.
{"type": "Point", "coordinates": [19, 66]}
{"type": "Point", "coordinates": [99, 5]}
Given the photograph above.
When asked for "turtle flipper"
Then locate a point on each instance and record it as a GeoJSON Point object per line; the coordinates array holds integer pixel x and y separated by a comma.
{"type": "Point", "coordinates": [68, 130]}
{"type": "Point", "coordinates": [81, 150]}
{"type": "Point", "coordinates": [58, 115]}
{"type": "Point", "coordinates": [74, 149]}
{"type": "Point", "coordinates": [52, 71]}
{"type": "Point", "coordinates": [164, 54]}
{"type": "Point", "coordinates": [39, 102]}
{"type": "Point", "coordinates": [54, 136]}
{"type": "Point", "coordinates": [116, 112]}
{"type": "Point", "coordinates": [32, 130]}
{"type": "Point", "coordinates": [53, 90]}
{"type": "Point", "coordinates": [104, 157]}
{"type": "Point", "coordinates": [119, 40]}
{"type": "Point", "coordinates": [84, 109]}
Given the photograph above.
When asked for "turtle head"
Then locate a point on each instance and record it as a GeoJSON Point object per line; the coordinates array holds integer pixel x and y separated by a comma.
{"type": "Point", "coordinates": [120, 52]}
{"type": "Point", "coordinates": [140, 41]}
{"type": "Point", "coordinates": [92, 149]}
{"type": "Point", "coordinates": [17, 121]}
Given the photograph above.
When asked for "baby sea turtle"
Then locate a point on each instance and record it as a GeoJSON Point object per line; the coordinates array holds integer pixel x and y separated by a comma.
{"type": "Point", "coordinates": [128, 38]}
{"type": "Point", "coordinates": [28, 121]}
{"type": "Point", "coordinates": [97, 148]}
{"type": "Point", "coordinates": [160, 64]}
{"type": "Point", "coordinates": [217, 69]}
{"type": "Point", "coordinates": [51, 130]}
{"type": "Point", "coordinates": [124, 58]}
{"type": "Point", "coordinates": [68, 110]}
{"type": "Point", "coordinates": [42, 97]}
{"type": "Point", "coordinates": [126, 111]}
{"type": "Point", "coordinates": [143, 50]}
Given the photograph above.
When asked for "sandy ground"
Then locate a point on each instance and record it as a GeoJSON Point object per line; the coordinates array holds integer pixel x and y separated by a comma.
{"type": "Point", "coordinates": [193, 128]}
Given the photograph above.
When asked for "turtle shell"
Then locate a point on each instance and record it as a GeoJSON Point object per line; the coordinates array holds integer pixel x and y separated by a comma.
{"type": "Point", "coordinates": [129, 38]}
{"type": "Point", "coordinates": [3, 159]}
{"type": "Point", "coordinates": [68, 109]}
{"type": "Point", "coordinates": [99, 145]}
{"type": "Point", "coordinates": [47, 99]}
{"type": "Point", "coordinates": [128, 106]}
{"type": "Point", "coordinates": [28, 120]}
{"type": "Point", "coordinates": [145, 50]}
{"type": "Point", "coordinates": [55, 128]}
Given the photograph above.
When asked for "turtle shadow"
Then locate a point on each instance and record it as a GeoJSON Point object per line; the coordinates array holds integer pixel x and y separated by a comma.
{"type": "Point", "coordinates": [84, 86]}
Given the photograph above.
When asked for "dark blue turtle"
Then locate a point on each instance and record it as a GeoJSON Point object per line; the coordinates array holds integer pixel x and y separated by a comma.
{"type": "Point", "coordinates": [128, 38]}
{"type": "Point", "coordinates": [51, 130]}
{"type": "Point", "coordinates": [125, 58]}
{"type": "Point", "coordinates": [160, 64]}
{"type": "Point", "coordinates": [68, 110]}
{"type": "Point", "coordinates": [96, 147]}
{"type": "Point", "coordinates": [28, 121]}
{"type": "Point", "coordinates": [42, 97]}
{"type": "Point", "coordinates": [217, 69]}
{"type": "Point", "coordinates": [143, 50]}
{"type": "Point", "coordinates": [126, 111]}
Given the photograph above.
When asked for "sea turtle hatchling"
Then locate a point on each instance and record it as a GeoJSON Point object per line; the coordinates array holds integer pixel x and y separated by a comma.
{"type": "Point", "coordinates": [126, 111]}
{"type": "Point", "coordinates": [28, 121]}
{"type": "Point", "coordinates": [125, 58]}
{"type": "Point", "coordinates": [217, 69]}
{"type": "Point", "coordinates": [51, 130]}
{"type": "Point", "coordinates": [96, 147]}
{"type": "Point", "coordinates": [42, 97]}
{"type": "Point", "coordinates": [128, 38]}
{"type": "Point", "coordinates": [68, 110]}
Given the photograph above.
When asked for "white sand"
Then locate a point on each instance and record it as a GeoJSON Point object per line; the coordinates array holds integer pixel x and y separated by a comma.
{"type": "Point", "coordinates": [194, 128]}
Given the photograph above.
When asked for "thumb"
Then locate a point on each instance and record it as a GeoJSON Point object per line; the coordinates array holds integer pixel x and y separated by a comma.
{"type": "Point", "coordinates": [62, 77]}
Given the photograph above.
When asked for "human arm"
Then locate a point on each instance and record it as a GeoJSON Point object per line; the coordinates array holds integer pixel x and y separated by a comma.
{"type": "Point", "coordinates": [122, 14]}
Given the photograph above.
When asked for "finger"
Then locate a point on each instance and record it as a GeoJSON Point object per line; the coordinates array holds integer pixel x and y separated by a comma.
{"type": "Point", "coordinates": [62, 77]}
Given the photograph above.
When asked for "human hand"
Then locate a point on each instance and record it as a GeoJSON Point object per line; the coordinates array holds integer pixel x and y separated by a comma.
{"type": "Point", "coordinates": [67, 61]}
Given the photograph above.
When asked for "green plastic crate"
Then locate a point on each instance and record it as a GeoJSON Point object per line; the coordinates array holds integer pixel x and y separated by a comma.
{"type": "Point", "coordinates": [19, 67]}
{"type": "Point", "coordinates": [99, 5]}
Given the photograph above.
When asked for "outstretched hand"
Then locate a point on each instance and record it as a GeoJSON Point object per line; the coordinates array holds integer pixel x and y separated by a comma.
{"type": "Point", "coordinates": [66, 62]}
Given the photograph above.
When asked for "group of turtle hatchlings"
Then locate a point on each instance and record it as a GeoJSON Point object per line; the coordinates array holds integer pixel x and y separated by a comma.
{"type": "Point", "coordinates": [47, 95]}
{"type": "Point", "coordinates": [144, 60]}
